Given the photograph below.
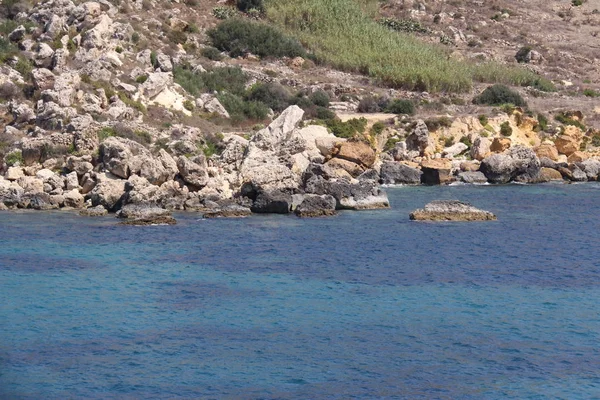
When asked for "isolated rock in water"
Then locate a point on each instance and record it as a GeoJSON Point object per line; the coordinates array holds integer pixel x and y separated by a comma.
{"type": "Point", "coordinates": [136, 214]}
{"type": "Point", "coordinates": [451, 210]}
{"type": "Point", "coordinates": [229, 211]}
{"type": "Point", "coordinates": [97, 211]}
{"type": "Point", "coordinates": [395, 173]}
{"type": "Point", "coordinates": [316, 206]}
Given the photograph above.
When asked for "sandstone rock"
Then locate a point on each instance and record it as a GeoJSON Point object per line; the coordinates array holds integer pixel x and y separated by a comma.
{"type": "Point", "coordinates": [316, 206]}
{"type": "Point", "coordinates": [357, 152]}
{"type": "Point", "coordinates": [436, 171]}
{"type": "Point", "coordinates": [547, 150]}
{"type": "Point", "coordinates": [549, 174]}
{"type": "Point", "coordinates": [577, 157]}
{"type": "Point", "coordinates": [352, 168]}
{"type": "Point", "coordinates": [451, 210]}
{"type": "Point", "coordinates": [500, 144]}
{"type": "Point", "coordinates": [567, 144]}
{"type": "Point", "coordinates": [398, 173]}
{"type": "Point", "coordinates": [272, 202]}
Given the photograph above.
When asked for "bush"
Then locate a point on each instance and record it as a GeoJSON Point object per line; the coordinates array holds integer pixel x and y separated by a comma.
{"type": "Point", "coordinates": [505, 129]}
{"type": "Point", "coordinates": [346, 129]}
{"type": "Point", "coordinates": [141, 78]}
{"type": "Point", "coordinates": [212, 53]}
{"type": "Point", "coordinates": [399, 106]}
{"type": "Point", "coordinates": [377, 128]}
{"type": "Point", "coordinates": [499, 94]}
{"type": "Point", "coordinates": [566, 120]}
{"type": "Point", "coordinates": [596, 140]}
{"type": "Point", "coordinates": [125, 132]}
{"type": "Point", "coordinates": [320, 98]}
{"type": "Point", "coordinates": [240, 110]}
{"type": "Point", "coordinates": [483, 119]}
{"type": "Point", "coordinates": [188, 105]}
{"type": "Point", "coordinates": [368, 105]}
{"type": "Point", "coordinates": [591, 93]}
{"type": "Point", "coordinates": [14, 158]}
{"type": "Point", "coordinates": [230, 79]}
{"type": "Point", "coordinates": [272, 94]}
{"type": "Point", "coordinates": [240, 37]}
{"type": "Point", "coordinates": [522, 55]}
{"type": "Point", "coordinates": [403, 25]}
{"type": "Point", "coordinates": [7, 50]}
{"type": "Point", "coordinates": [223, 12]}
{"type": "Point", "coordinates": [542, 122]}
{"type": "Point", "coordinates": [433, 124]}
{"type": "Point", "coordinates": [247, 5]}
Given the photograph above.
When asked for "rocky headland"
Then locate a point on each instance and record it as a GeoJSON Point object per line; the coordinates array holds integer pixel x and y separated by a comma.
{"type": "Point", "coordinates": [105, 110]}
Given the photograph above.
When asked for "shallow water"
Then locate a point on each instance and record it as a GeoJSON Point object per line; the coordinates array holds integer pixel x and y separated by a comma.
{"type": "Point", "coordinates": [364, 305]}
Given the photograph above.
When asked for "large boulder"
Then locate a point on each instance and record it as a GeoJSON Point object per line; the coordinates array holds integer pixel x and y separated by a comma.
{"type": "Point", "coordinates": [451, 210]}
{"type": "Point", "coordinates": [123, 157]}
{"type": "Point", "coordinates": [481, 148]}
{"type": "Point", "coordinates": [193, 172]}
{"type": "Point", "coordinates": [519, 163]}
{"type": "Point", "coordinates": [272, 202]}
{"type": "Point", "coordinates": [419, 139]}
{"type": "Point", "coordinates": [591, 167]}
{"type": "Point", "coordinates": [135, 214]}
{"type": "Point", "coordinates": [472, 177]}
{"type": "Point", "coordinates": [357, 152]}
{"type": "Point", "coordinates": [316, 206]}
{"type": "Point", "coordinates": [454, 150]}
{"type": "Point", "coordinates": [398, 173]}
{"type": "Point", "coordinates": [228, 211]}
{"type": "Point", "coordinates": [363, 195]}
{"type": "Point", "coordinates": [547, 150]}
{"type": "Point", "coordinates": [108, 192]}
{"type": "Point", "coordinates": [436, 171]}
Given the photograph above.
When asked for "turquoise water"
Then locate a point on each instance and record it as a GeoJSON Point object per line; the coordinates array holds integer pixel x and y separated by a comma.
{"type": "Point", "coordinates": [365, 305]}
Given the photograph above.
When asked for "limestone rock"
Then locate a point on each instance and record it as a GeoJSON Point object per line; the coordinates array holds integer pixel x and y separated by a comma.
{"type": "Point", "coordinates": [229, 211]}
{"type": "Point", "coordinates": [108, 192]}
{"type": "Point", "coordinates": [547, 150]}
{"type": "Point", "coordinates": [481, 148]}
{"type": "Point", "coordinates": [73, 199]}
{"type": "Point", "coordinates": [454, 150]}
{"type": "Point", "coordinates": [272, 202]}
{"type": "Point", "coordinates": [472, 177]}
{"type": "Point", "coordinates": [436, 171]}
{"type": "Point", "coordinates": [419, 139]}
{"type": "Point", "coordinates": [451, 210]}
{"type": "Point", "coordinates": [357, 152]}
{"type": "Point", "coordinates": [193, 172]}
{"type": "Point", "coordinates": [97, 211]}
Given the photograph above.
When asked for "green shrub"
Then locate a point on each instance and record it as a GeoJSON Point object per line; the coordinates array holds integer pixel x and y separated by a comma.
{"type": "Point", "coordinates": [368, 105]}
{"type": "Point", "coordinates": [577, 3]}
{"type": "Point", "coordinates": [7, 50]}
{"type": "Point", "coordinates": [591, 93]}
{"type": "Point", "coordinates": [377, 128]}
{"type": "Point", "coordinates": [466, 141]}
{"type": "Point", "coordinates": [224, 12]}
{"type": "Point", "coordinates": [522, 54]}
{"type": "Point", "coordinates": [566, 120]}
{"type": "Point", "coordinates": [135, 38]}
{"type": "Point", "coordinates": [505, 129]}
{"type": "Point", "coordinates": [105, 133]}
{"type": "Point", "coordinates": [543, 85]}
{"type": "Point", "coordinates": [188, 105]}
{"type": "Point", "coordinates": [240, 110]}
{"type": "Point", "coordinates": [212, 53]}
{"type": "Point", "coordinates": [247, 5]}
{"type": "Point", "coordinates": [403, 25]}
{"type": "Point", "coordinates": [346, 129]}
{"type": "Point", "coordinates": [448, 141]}
{"type": "Point", "coordinates": [596, 140]}
{"type": "Point", "coordinates": [542, 122]}
{"type": "Point", "coordinates": [14, 158]}
{"type": "Point", "coordinates": [154, 59]}
{"type": "Point", "coordinates": [239, 37]}
{"type": "Point", "coordinates": [141, 78]}
{"type": "Point", "coordinates": [433, 124]}
{"type": "Point", "coordinates": [400, 106]}
{"type": "Point", "coordinates": [483, 119]}
{"type": "Point", "coordinates": [272, 94]}
{"type": "Point", "coordinates": [230, 79]}
{"type": "Point", "coordinates": [320, 98]}
{"type": "Point", "coordinates": [499, 94]}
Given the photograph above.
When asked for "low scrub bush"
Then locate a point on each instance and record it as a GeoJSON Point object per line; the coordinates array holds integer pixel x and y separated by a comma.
{"type": "Point", "coordinates": [434, 124]}
{"type": "Point", "coordinates": [400, 106]}
{"type": "Point", "coordinates": [239, 37]}
{"type": "Point", "coordinates": [320, 98]}
{"type": "Point", "coordinates": [505, 129]}
{"type": "Point", "coordinates": [272, 94]}
{"type": "Point", "coordinates": [404, 25]}
{"type": "Point", "coordinates": [230, 79]}
{"type": "Point", "coordinates": [566, 120]}
{"type": "Point", "coordinates": [212, 53]}
{"type": "Point", "coordinates": [240, 110]}
{"type": "Point", "coordinates": [591, 93]}
{"type": "Point", "coordinates": [346, 129]}
{"type": "Point", "coordinates": [224, 12]}
{"type": "Point", "coordinates": [499, 94]}
{"type": "Point", "coordinates": [247, 5]}
{"type": "Point", "coordinates": [522, 55]}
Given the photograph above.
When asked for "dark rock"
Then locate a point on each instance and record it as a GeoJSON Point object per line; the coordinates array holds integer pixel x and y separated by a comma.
{"type": "Point", "coordinates": [369, 175]}
{"type": "Point", "coordinates": [316, 206]}
{"type": "Point", "coordinates": [451, 210]}
{"type": "Point", "coordinates": [229, 211]}
{"type": "Point", "coordinates": [352, 196]}
{"type": "Point", "coordinates": [272, 202]}
{"type": "Point", "coordinates": [166, 220]}
{"type": "Point", "coordinates": [398, 173]}
{"type": "Point", "coordinates": [436, 172]}
{"type": "Point", "coordinates": [472, 177]}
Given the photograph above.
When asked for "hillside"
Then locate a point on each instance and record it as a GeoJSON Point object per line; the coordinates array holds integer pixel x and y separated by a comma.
{"type": "Point", "coordinates": [180, 93]}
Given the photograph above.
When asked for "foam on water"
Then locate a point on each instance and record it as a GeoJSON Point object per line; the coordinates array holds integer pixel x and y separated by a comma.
{"type": "Point", "coordinates": [363, 305]}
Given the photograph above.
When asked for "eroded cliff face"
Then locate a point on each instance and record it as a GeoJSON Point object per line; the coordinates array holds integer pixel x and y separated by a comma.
{"type": "Point", "coordinates": [108, 105]}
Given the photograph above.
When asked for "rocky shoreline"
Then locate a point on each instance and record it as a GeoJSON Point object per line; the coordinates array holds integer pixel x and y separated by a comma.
{"type": "Point", "coordinates": [84, 135]}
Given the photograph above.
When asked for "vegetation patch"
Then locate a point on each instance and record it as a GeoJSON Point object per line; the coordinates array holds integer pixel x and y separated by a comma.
{"type": "Point", "coordinates": [499, 94]}
{"type": "Point", "coordinates": [346, 129]}
{"type": "Point", "coordinates": [239, 37]}
{"type": "Point", "coordinates": [567, 120]}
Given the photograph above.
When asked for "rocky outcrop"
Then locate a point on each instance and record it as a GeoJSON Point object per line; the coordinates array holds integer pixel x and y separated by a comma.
{"type": "Point", "coordinates": [228, 211]}
{"type": "Point", "coordinates": [451, 210]}
{"type": "Point", "coordinates": [398, 173]}
{"type": "Point", "coordinates": [316, 206]}
{"type": "Point", "coordinates": [145, 215]}
{"type": "Point", "coordinates": [519, 163]}
{"type": "Point", "coordinates": [472, 177]}
{"type": "Point", "coordinates": [272, 202]}
{"type": "Point", "coordinates": [436, 171]}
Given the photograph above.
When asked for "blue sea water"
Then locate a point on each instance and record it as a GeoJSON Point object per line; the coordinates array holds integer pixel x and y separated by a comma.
{"type": "Point", "coordinates": [365, 305]}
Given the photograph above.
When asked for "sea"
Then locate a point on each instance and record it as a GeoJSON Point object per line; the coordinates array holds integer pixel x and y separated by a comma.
{"type": "Point", "coordinates": [363, 305]}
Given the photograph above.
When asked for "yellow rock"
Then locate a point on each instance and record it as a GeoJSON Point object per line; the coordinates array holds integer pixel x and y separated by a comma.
{"type": "Point", "coordinates": [578, 156]}
{"type": "Point", "coordinates": [500, 144]}
{"type": "Point", "coordinates": [547, 150]}
{"type": "Point", "coordinates": [566, 144]}
{"type": "Point", "coordinates": [549, 174]}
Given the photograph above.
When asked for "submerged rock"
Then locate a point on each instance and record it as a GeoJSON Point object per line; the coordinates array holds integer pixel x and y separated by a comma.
{"type": "Point", "coordinates": [451, 210]}
{"type": "Point", "coordinates": [97, 211]}
{"type": "Point", "coordinates": [230, 211]}
{"type": "Point", "coordinates": [135, 214]}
